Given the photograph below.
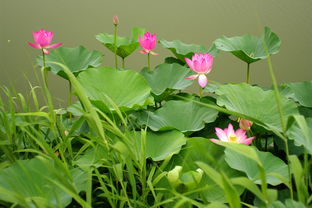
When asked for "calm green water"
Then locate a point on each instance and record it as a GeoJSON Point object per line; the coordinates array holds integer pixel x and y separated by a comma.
{"type": "Point", "coordinates": [76, 22]}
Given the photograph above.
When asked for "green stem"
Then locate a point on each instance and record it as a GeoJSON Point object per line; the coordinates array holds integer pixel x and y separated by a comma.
{"type": "Point", "coordinates": [149, 61]}
{"type": "Point", "coordinates": [123, 63]}
{"type": "Point", "coordinates": [264, 187]}
{"type": "Point", "coordinates": [248, 73]}
{"type": "Point", "coordinates": [43, 58]}
{"type": "Point", "coordinates": [200, 92]}
{"type": "Point", "coordinates": [277, 95]}
{"type": "Point", "coordinates": [115, 45]}
{"type": "Point", "coordinates": [70, 100]}
{"type": "Point", "coordinates": [281, 114]}
{"type": "Point", "coordinates": [89, 188]}
{"type": "Point", "coordinates": [45, 74]}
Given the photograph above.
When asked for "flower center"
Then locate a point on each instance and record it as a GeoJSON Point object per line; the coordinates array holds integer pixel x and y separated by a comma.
{"type": "Point", "coordinates": [233, 138]}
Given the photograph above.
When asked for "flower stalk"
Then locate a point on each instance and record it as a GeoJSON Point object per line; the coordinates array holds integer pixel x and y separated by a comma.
{"type": "Point", "coordinates": [149, 61]}
{"type": "Point", "coordinates": [200, 92]}
{"type": "Point", "coordinates": [248, 73]}
{"type": "Point", "coordinates": [123, 63]}
{"type": "Point", "coordinates": [45, 74]}
{"type": "Point", "coordinates": [115, 44]}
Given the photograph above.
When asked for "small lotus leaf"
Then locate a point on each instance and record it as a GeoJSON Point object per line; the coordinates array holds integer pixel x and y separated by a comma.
{"type": "Point", "coordinates": [167, 76]}
{"type": "Point", "coordinates": [125, 46]}
{"type": "Point", "coordinates": [182, 50]}
{"type": "Point", "coordinates": [160, 145]}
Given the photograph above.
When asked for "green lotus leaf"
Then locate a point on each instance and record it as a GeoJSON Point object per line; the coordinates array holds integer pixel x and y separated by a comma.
{"type": "Point", "coordinates": [125, 46]}
{"type": "Point", "coordinates": [182, 50]}
{"type": "Point", "coordinates": [181, 115]}
{"type": "Point", "coordinates": [289, 203]}
{"type": "Point", "coordinates": [108, 87]}
{"type": "Point", "coordinates": [76, 59]}
{"type": "Point", "coordinates": [256, 103]}
{"type": "Point", "coordinates": [167, 76]}
{"type": "Point", "coordinates": [300, 92]}
{"type": "Point", "coordinates": [32, 183]}
{"type": "Point", "coordinates": [160, 145]}
{"type": "Point", "coordinates": [249, 48]}
{"type": "Point", "coordinates": [271, 164]}
{"type": "Point", "coordinates": [92, 158]}
{"type": "Point", "coordinates": [301, 132]}
{"type": "Point", "coordinates": [198, 149]}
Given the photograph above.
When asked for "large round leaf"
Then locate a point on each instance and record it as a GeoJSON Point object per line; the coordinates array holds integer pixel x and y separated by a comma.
{"type": "Point", "coordinates": [76, 59]}
{"type": "Point", "coordinates": [126, 89]}
{"type": "Point", "coordinates": [33, 183]}
{"type": "Point", "coordinates": [160, 145]}
{"type": "Point", "coordinates": [254, 102]}
{"type": "Point", "coordinates": [272, 165]}
{"type": "Point", "coordinates": [181, 115]}
{"type": "Point", "coordinates": [167, 76]}
{"type": "Point", "coordinates": [300, 92]}
{"type": "Point", "coordinates": [125, 46]}
{"type": "Point", "coordinates": [181, 50]}
{"type": "Point", "coordinates": [249, 48]}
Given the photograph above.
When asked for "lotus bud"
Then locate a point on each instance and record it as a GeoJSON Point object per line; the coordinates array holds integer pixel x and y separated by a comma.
{"type": "Point", "coordinates": [245, 124]}
{"type": "Point", "coordinates": [173, 176]}
{"type": "Point", "coordinates": [115, 20]}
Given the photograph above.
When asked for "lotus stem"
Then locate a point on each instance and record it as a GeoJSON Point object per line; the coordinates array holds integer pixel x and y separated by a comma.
{"type": "Point", "coordinates": [149, 61]}
{"type": "Point", "coordinates": [70, 99]}
{"type": "Point", "coordinates": [43, 58]}
{"type": "Point", "coordinates": [115, 45]}
{"type": "Point", "coordinates": [45, 74]}
{"type": "Point", "coordinates": [200, 92]}
{"type": "Point", "coordinates": [281, 114]}
{"type": "Point", "coordinates": [123, 63]}
{"type": "Point", "coordinates": [248, 73]}
{"type": "Point", "coordinates": [70, 94]}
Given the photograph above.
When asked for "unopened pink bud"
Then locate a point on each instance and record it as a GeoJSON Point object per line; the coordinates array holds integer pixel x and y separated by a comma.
{"type": "Point", "coordinates": [115, 20]}
{"type": "Point", "coordinates": [245, 124]}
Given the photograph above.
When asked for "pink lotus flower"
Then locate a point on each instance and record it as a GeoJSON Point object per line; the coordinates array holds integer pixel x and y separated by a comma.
{"type": "Point", "coordinates": [43, 39]}
{"type": "Point", "coordinates": [229, 135]}
{"type": "Point", "coordinates": [245, 124]}
{"type": "Point", "coordinates": [202, 65]}
{"type": "Point", "coordinates": [148, 43]}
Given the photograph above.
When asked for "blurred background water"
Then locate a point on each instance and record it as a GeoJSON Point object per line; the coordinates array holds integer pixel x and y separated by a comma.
{"type": "Point", "coordinates": [76, 22]}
